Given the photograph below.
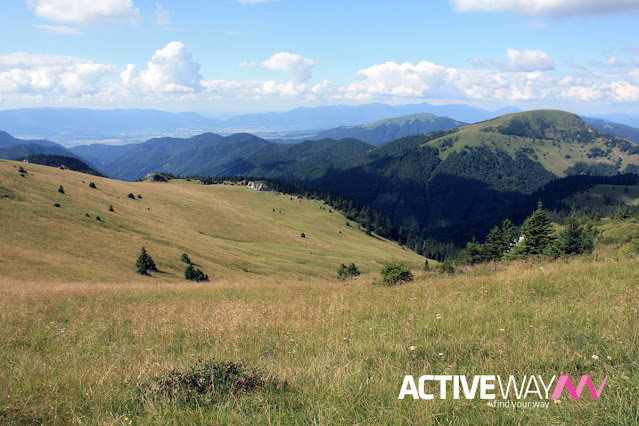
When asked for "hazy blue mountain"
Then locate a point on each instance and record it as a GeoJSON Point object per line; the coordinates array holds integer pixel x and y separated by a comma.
{"type": "Point", "coordinates": [12, 148]}
{"type": "Point", "coordinates": [26, 149]}
{"type": "Point", "coordinates": [327, 117]}
{"type": "Point", "coordinates": [83, 123]}
{"type": "Point", "coordinates": [390, 129]}
{"type": "Point", "coordinates": [627, 119]}
{"type": "Point", "coordinates": [70, 125]}
{"type": "Point", "coordinates": [628, 132]}
{"type": "Point", "coordinates": [99, 155]}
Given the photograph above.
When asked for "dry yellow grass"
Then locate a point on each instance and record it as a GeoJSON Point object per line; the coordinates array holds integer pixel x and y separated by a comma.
{"type": "Point", "coordinates": [227, 230]}
{"type": "Point", "coordinates": [343, 347]}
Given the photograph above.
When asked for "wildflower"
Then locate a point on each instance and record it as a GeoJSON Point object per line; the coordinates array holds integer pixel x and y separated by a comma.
{"type": "Point", "coordinates": [609, 357]}
{"type": "Point", "coordinates": [412, 348]}
{"type": "Point", "coordinates": [490, 404]}
{"type": "Point", "coordinates": [557, 401]}
{"type": "Point", "coordinates": [502, 329]}
{"type": "Point", "coordinates": [595, 357]}
{"type": "Point", "coordinates": [441, 354]}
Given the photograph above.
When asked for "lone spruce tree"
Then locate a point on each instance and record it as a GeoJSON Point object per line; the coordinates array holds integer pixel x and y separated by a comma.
{"type": "Point", "coordinates": [145, 263]}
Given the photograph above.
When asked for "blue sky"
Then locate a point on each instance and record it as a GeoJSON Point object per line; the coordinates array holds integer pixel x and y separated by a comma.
{"type": "Point", "coordinates": [223, 57]}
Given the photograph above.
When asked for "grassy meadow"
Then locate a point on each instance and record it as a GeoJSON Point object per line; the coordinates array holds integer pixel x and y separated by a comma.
{"type": "Point", "coordinates": [81, 338]}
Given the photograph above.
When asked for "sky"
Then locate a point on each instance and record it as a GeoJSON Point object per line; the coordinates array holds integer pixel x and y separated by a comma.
{"type": "Point", "coordinates": [225, 57]}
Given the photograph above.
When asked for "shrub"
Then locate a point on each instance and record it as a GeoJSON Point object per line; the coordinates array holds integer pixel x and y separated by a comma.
{"type": "Point", "coordinates": [91, 185]}
{"type": "Point", "coordinates": [194, 274]}
{"type": "Point", "coordinates": [185, 258]}
{"type": "Point", "coordinates": [61, 190]}
{"type": "Point", "coordinates": [303, 235]}
{"type": "Point", "coordinates": [110, 208]}
{"type": "Point", "coordinates": [98, 218]}
{"type": "Point", "coordinates": [131, 196]}
{"type": "Point", "coordinates": [208, 380]}
{"type": "Point", "coordinates": [350, 271]}
{"type": "Point", "coordinates": [56, 205]}
{"type": "Point", "coordinates": [21, 170]}
{"type": "Point", "coordinates": [139, 196]}
{"type": "Point", "coordinates": [426, 266]}
{"type": "Point", "coordinates": [395, 273]}
{"type": "Point", "coordinates": [446, 268]}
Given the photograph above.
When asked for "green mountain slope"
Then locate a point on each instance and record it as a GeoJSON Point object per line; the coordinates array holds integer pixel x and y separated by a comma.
{"type": "Point", "coordinates": [439, 180]}
{"type": "Point", "coordinates": [230, 232]}
{"type": "Point", "coordinates": [383, 131]}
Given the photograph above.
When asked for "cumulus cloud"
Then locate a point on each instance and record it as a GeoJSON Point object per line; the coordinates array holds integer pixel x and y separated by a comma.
{"type": "Point", "coordinates": [297, 66]}
{"type": "Point", "coordinates": [171, 69]}
{"type": "Point", "coordinates": [172, 75]}
{"type": "Point", "coordinates": [58, 29]}
{"type": "Point", "coordinates": [426, 80]}
{"type": "Point", "coordinates": [553, 8]}
{"type": "Point", "coordinates": [81, 12]}
{"type": "Point", "coordinates": [527, 60]}
{"type": "Point", "coordinates": [66, 75]}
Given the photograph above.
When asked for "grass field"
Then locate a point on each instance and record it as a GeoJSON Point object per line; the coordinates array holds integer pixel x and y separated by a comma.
{"type": "Point", "coordinates": [81, 349]}
{"type": "Point", "coordinates": [73, 352]}
{"type": "Point", "coordinates": [227, 230]}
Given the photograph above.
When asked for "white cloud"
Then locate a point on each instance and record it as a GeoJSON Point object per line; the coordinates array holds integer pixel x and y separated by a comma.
{"type": "Point", "coordinates": [171, 69]}
{"type": "Point", "coordinates": [162, 16]}
{"type": "Point", "coordinates": [172, 76]}
{"type": "Point", "coordinates": [63, 75]}
{"type": "Point", "coordinates": [58, 29]}
{"type": "Point", "coordinates": [527, 60]}
{"type": "Point", "coordinates": [297, 66]}
{"type": "Point", "coordinates": [554, 8]}
{"type": "Point", "coordinates": [82, 12]}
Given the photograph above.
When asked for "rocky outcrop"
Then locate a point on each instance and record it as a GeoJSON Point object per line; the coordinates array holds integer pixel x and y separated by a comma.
{"type": "Point", "coordinates": [258, 186]}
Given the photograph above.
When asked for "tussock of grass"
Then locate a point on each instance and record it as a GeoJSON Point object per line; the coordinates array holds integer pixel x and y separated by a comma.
{"type": "Point", "coordinates": [206, 382]}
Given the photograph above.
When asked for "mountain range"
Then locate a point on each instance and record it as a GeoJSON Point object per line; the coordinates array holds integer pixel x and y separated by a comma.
{"type": "Point", "coordinates": [425, 183]}
{"type": "Point", "coordinates": [13, 148]}
{"type": "Point", "coordinates": [70, 126]}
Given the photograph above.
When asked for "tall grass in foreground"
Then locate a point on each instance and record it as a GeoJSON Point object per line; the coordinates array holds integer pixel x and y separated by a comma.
{"type": "Point", "coordinates": [77, 352]}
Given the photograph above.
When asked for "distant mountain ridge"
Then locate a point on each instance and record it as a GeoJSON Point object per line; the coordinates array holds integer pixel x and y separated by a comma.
{"type": "Point", "coordinates": [387, 130]}
{"type": "Point", "coordinates": [622, 130]}
{"type": "Point", "coordinates": [216, 155]}
{"type": "Point", "coordinates": [12, 148]}
{"type": "Point", "coordinates": [73, 124]}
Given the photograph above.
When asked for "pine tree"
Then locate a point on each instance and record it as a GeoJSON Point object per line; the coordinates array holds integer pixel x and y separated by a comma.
{"type": "Point", "coordinates": [185, 258]}
{"type": "Point", "coordinates": [145, 263]}
{"type": "Point", "coordinates": [575, 238]}
{"type": "Point", "coordinates": [537, 231]}
{"type": "Point", "coordinates": [493, 248]}
{"type": "Point", "coordinates": [141, 264]}
{"type": "Point", "coordinates": [61, 190]}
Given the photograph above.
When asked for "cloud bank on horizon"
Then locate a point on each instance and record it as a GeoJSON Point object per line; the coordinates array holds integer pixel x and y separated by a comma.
{"type": "Point", "coordinates": [173, 74]}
